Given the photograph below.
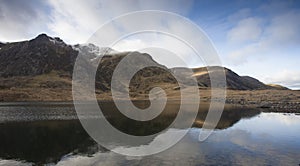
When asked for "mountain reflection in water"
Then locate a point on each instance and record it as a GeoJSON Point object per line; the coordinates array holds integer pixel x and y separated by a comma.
{"type": "Point", "coordinates": [65, 142]}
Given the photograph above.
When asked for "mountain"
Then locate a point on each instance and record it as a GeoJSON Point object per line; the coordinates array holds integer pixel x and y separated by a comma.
{"type": "Point", "coordinates": [37, 56]}
{"type": "Point", "coordinates": [233, 80]}
{"type": "Point", "coordinates": [1, 44]}
{"type": "Point", "coordinates": [47, 62]}
{"type": "Point", "coordinates": [143, 81]}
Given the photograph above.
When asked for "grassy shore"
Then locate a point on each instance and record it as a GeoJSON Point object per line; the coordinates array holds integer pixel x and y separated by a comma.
{"type": "Point", "coordinates": [273, 100]}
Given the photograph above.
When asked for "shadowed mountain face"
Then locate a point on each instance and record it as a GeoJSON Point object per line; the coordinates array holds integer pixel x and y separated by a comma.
{"type": "Point", "coordinates": [143, 81]}
{"type": "Point", "coordinates": [44, 55]}
{"type": "Point", "coordinates": [38, 56]}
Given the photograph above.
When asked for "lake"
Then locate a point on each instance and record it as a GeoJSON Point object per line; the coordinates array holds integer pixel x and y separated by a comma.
{"type": "Point", "coordinates": [49, 133]}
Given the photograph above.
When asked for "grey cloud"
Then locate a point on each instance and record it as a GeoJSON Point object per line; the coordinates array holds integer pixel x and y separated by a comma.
{"type": "Point", "coordinates": [277, 32]}
{"type": "Point", "coordinates": [20, 19]}
{"type": "Point", "coordinates": [75, 22]}
{"type": "Point", "coordinates": [289, 78]}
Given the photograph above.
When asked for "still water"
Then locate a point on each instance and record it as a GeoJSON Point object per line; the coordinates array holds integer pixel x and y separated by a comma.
{"type": "Point", "coordinates": [50, 134]}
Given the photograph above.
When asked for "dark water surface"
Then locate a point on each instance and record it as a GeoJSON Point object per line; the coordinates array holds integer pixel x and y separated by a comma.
{"type": "Point", "coordinates": [49, 133]}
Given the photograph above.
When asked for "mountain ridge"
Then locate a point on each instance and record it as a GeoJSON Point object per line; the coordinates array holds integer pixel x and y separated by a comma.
{"type": "Point", "coordinates": [45, 54]}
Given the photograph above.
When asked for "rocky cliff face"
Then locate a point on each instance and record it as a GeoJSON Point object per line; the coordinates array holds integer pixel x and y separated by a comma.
{"type": "Point", "coordinates": [38, 56]}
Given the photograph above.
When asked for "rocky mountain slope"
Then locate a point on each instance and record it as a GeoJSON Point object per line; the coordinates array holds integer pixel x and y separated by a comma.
{"type": "Point", "coordinates": [1, 44]}
{"type": "Point", "coordinates": [37, 56]}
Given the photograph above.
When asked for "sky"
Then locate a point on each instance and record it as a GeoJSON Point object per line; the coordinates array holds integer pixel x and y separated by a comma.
{"type": "Point", "coordinates": [256, 38]}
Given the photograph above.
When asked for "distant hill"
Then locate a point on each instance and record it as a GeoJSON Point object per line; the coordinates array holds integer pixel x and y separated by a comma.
{"type": "Point", "coordinates": [233, 80]}
{"type": "Point", "coordinates": [278, 86]}
{"type": "Point", "coordinates": [44, 57]}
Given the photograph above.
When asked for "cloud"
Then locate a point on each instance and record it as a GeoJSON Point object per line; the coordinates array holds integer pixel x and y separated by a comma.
{"type": "Point", "coordinates": [241, 14]}
{"type": "Point", "coordinates": [279, 34]}
{"type": "Point", "coordinates": [289, 78]}
{"type": "Point", "coordinates": [73, 22]}
{"type": "Point", "coordinates": [130, 45]}
{"type": "Point", "coordinates": [278, 7]}
{"type": "Point", "coordinates": [285, 28]}
{"type": "Point", "coordinates": [164, 49]}
{"type": "Point", "coordinates": [240, 56]}
{"type": "Point", "coordinates": [247, 30]}
{"type": "Point", "coordinates": [22, 19]}
{"type": "Point", "coordinates": [76, 22]}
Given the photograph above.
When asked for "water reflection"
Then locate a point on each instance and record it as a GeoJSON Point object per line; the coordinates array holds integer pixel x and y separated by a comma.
{"type": "Point", "coordinates": [240, 144]}
{"type": "Point", "coordinates": [243, 136]}
{"type": "Point", "coordinates": [230, 116]}
{"type": "Point", "coordinates": [43, 141]}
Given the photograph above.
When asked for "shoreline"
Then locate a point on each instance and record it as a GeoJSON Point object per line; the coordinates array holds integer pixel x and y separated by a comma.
{"type": "Point", "coordinates": [291, 107]}
{"type": "Point", "coordinates": [268, 100]}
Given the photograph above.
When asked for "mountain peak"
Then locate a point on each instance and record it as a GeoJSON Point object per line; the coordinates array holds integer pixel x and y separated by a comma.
{"type": "Point", "coordinates": [42, 36]}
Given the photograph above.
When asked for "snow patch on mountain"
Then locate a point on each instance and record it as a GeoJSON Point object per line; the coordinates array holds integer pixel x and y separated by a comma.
{"type": "Point", "coordinates": [92, 51]}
